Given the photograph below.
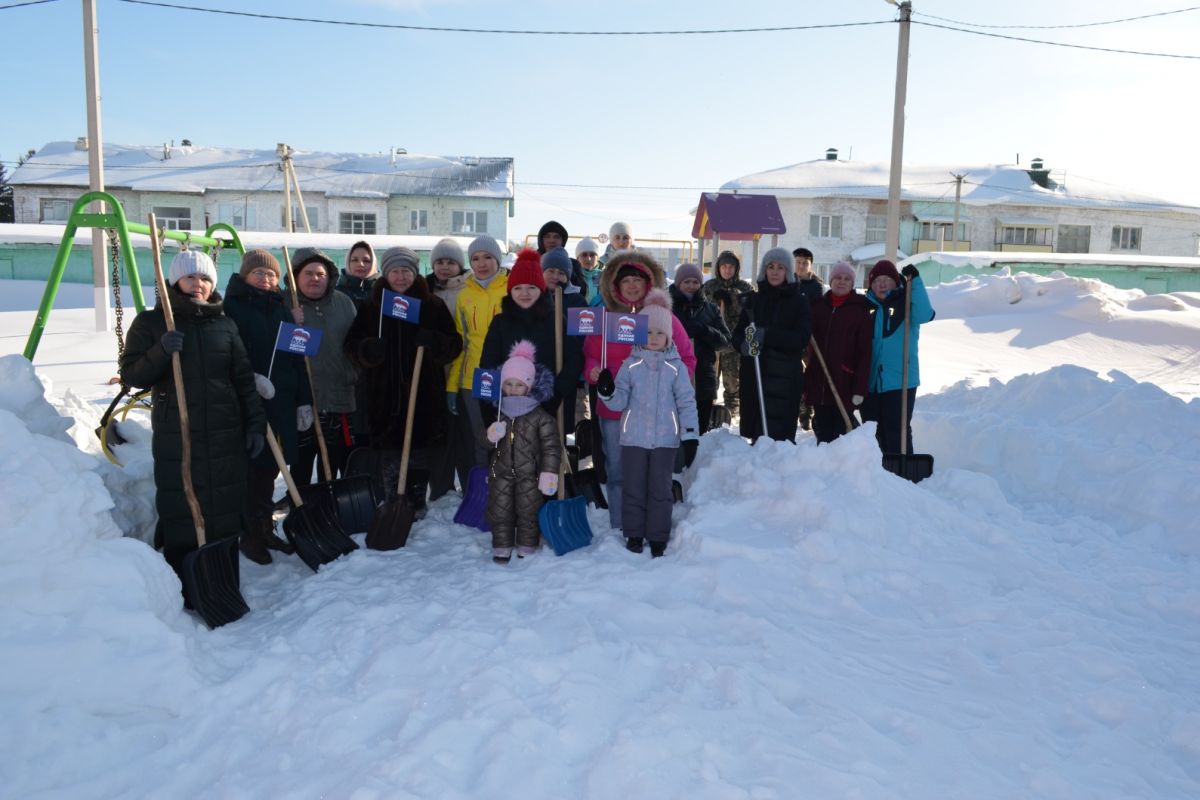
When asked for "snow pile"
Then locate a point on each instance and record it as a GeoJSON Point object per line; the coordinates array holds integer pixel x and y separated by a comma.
{"type": "Point", "coordinates": [1025, 293]}
{"type": "Point", "coordinates": [1117, 451]}
{"type": "Point", "coordinates": [90, 620]}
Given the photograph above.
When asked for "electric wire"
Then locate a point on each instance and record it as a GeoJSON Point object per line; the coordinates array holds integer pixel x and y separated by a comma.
{"type": "Point", "coordinates": [1056, 44]}
{"type": "Point", "coordinates": [1064, 25]}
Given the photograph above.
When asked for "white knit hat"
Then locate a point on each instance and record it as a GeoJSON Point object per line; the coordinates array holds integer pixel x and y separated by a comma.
{"type": "Point", "coordinates": [192, 262]}
{"type": "Point", "coordinates": [586, 245]}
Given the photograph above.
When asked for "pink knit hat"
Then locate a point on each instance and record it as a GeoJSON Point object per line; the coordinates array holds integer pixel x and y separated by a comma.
{"type": "Point", "coordinates": [520, 365]}
{"type": "Point", "coordinates": [657, 308]}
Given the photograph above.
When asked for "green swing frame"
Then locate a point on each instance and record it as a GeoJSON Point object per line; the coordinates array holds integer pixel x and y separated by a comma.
{"type": "Point", "coordinates": [115, 220]}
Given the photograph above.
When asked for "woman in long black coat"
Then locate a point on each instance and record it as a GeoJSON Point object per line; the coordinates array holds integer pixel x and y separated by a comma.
{"type": "Point", "coordinates": [225, 416]}
{"type": "Point", "coordinates": [527, 313]}
{"type": "Point", "coordinates": [385, 349]}
{"type": "Point", "coordinates": [782, 322]}
{"type": "Point", "coordinates": [253, 301]}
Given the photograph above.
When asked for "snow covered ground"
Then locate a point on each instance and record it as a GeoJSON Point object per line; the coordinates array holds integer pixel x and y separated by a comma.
{"type": "Point", "coordinates": [1024, 624]}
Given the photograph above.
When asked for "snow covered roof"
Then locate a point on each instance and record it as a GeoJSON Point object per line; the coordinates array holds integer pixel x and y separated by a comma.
{"type": "Point", "coordinates": [196, 169]}
{"type": "Point", "coordinates": [990, 258]}
{"type": "Point", "coordinates": [984, 185]}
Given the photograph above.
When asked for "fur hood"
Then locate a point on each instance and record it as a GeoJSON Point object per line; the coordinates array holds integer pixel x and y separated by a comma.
{"type": "Point", "coordinates": [608, 278]}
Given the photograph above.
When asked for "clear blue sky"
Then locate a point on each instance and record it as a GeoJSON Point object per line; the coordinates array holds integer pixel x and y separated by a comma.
{"type": "Point", "coordinates": [632, 111]}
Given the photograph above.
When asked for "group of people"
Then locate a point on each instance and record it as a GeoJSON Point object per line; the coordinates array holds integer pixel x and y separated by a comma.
{"type": "Point", "coordinates": [649, 403]}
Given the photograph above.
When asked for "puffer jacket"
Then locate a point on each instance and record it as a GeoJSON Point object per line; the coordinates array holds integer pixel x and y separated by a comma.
{"type": "Point", "coordinates": [656, 400]}
{"type": "Point", "coordinates": [709, 335]}
{"type": "Point", "coordinates": [784, 312]}
{"type": "Point", "coordinates": [534, 324]}
{"type": "Point", "coordinates": [473, 312]}
{"type": "Point", "coordinates": [258, 313]}
{"type": "Point", "coordinates": [223, 407]}
{"type": "Point", "coordinates": [887, 350]}
{"type": "Point", "coordinates": [333, 374]}
{"type": "Point", "coordinates": [594, 348]}
{"type": "Point", "coordinates": [530, 447]}
{"type": "Point", "coordinates": [843, 335]}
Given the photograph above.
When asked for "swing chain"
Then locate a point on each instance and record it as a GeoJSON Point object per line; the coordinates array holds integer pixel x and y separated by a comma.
{"type": "Point", "coordinates": [114, 250]}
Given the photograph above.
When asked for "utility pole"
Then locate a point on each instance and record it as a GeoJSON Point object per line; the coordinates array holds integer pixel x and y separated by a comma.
{"type": "Point", "coordinates": [893, 209]}
{"type": "Point", "coordinates": [958, 179]}
{"type": "Point", "coordinates": [91, 67]}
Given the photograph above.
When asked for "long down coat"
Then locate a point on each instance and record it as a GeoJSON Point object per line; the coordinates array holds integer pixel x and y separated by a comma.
{"type": "Point", "coordinates": [388, 361]}
{"type": "Point", "coordinates": [843, 335]}
{"type": "Point", "coordinates": [784, 312]}
{"type": "Point", "coordinates": [530, 446]}
{"type": "Point", "coordinates": [223, 407]}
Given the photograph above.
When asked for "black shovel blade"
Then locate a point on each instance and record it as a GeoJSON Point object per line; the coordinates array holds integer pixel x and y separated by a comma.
{"type": "Point", "coordinates": [720, 416]}
{"type": "Point", "coordinates": [583, 438]}
{"type": "Point", "coordinates": [916, 467]}
{"type": "Point", "coordinates": [314, 530]}
{"type": "Point", "coordinates": [352, 499]}
{"type": "Point", "coordinates": [211, 582]}
{"type": "Point", "coordinates": [584, 484]}
{"type": "Point", "coordinates": [393, 521]}
{"type": "Point", "coordinates": [564, 524]}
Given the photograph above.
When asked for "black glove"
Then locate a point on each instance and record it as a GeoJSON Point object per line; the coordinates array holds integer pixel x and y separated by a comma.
{"type": "Point", "coordinates": [371, 351]}
{"type": "Point", "coordinates": [745, 348]}
{"type": "Point", "coordinates": [910, 272]}
{"type": "Point", "coordinates": [427, 338]}
{"type": "Point", "coordinates": [172, 341]}
{"type": "Point", "coordinates": [605, 385]}
{"type": "Point", "coordinates": [254, 444]}
{"type": "Point", "coordinates": [689, 451]}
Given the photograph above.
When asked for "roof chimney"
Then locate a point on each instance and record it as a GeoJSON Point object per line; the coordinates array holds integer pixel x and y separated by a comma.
{"type": "Point", "coordinates": [185, 143]}
{"type": "Point", "coordinates": [831, 154]}
{"type": "Point", "coordinates": [1038, 174]}
{"type": "Point", "coordinates": [81, 143]}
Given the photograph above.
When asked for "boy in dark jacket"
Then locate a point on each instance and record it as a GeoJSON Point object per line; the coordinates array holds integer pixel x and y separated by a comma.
{"type": "Point", "coordinates": [706, 328]}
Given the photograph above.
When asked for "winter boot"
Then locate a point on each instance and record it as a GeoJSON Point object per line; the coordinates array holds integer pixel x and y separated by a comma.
{"type": "Point", "coordinates": [501, 555]}
{"type": "Point", "coordinates": [635, 544]}
{"type": "Point", "coordinates": [272, 540]}
{"type": "Point", "coordinates": [417, 491]}
{"type": "Point", "coordinates": [657, 549]}
{"type": "Point", "coordinates": [806, 413]}
{"type": "Point", "coordinates": [253, 542]}
{"type": "Point", "coordinates": [525, 550]}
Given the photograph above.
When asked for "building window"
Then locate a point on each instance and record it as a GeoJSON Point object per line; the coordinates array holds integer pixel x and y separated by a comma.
{"type": "Point", "coordinates": [876, 228]}
{"type": "Point", "coordinates": [54, 210]}
{"type": "Point", "coordinates": [174, 218]}
{"type": "Point", "coordinates": [1020, 234]}
{"type": "Point", "coordinates": [826, 226]}
{"type": "Point", "coordinates": [468, 222]}
{"type": "Point", "coordinates": [930, 230]}
{"type": "Point", "coordinates": [1074, 239]}
{"type": "Point", "coordinates": [418, 221]}
{"type": "Point", "coordinates": [240, 215]}
{"type": "Point", "coordinates": [362, 224]}
{"type": "Point", "coordinates": [1126, 238]}
{"type": "Point", "coordinates": [298, 218]}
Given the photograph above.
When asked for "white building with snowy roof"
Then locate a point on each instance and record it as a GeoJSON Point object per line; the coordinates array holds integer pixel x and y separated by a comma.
{"type": "Point", "coordinates": [190, 187]}
{"type": "Point", "coordinates": [838, 209]}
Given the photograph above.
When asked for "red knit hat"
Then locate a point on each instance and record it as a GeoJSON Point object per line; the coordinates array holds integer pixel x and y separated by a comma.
{"type": "Point", "coordinates": [527, 270]}
{"type": "Point", "coordinates": [884, 267]}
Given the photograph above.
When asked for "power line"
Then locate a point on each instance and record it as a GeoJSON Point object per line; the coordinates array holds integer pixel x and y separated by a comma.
{"type": "Point", "coordinates": [1053, 44]}
{"type": "Point", "coordinates": [29, 3]}
{"type": "Point", "coordinates": [504, 31]}
{"type": "Point", "coordinates": [1073, 25]}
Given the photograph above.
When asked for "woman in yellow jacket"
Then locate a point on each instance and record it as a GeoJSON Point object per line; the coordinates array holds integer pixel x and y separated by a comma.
{"type": "Point", "coordinates": [477, 304]}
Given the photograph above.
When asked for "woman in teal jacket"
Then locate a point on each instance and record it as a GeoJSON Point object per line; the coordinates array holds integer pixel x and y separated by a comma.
{"type": "Point", "coordinates": [886, 290]}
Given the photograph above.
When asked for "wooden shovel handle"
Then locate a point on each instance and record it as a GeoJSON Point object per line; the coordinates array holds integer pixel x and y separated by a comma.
{"type": "Point", "coordinates": [185, 427]}
{"type": "Point", "coordinates": [408, 420]}
{"type": "Point", "coordinates": [837, 397]}
{"type": "Point", "coordinates": [293, 492]}
{"type": "Point", "coordinates": [326, 467]}
{"type": "Point", "coordinates": [558, 365]}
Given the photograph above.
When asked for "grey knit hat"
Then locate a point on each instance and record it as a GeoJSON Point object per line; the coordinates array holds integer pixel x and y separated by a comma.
{"type": "Point", "coordinates": [619, 229]}
{"type": "Point", "coordinates": [192, 262]}
{"type": "Point", "coordinates": [306, 255]}
{"type": "Point", "coordinates": [586, 245]}
{"type": "Point", "coordinates": [399, 258]}
{"type": "Point", "coordinates": [448, 248]}
{"type": "Point", "coordinates": [685, 271]}
{"type": "Point", "coordinates": [781, 256]}
{"type": "Point", "coordinates": [487, 244]}
{"type": "Point", "coordinates": [557, 259]}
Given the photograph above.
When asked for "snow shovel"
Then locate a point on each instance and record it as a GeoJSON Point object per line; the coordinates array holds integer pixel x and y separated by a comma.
{"type": "Point", "coordinates": [210, 572]}
{"type": "Point", "coordinates": [850, 423]}
{"type": "Point", "coordinates": [312, 527]}
{"type": "Point", "coordinates": [352, 498]}
{"type": "Point", "coordinates": [915, 467]}
{"type": "Point", "coordinates": [394, 517]}
{"type": "Point", "coordinates": [473, 511]}
{"type": "Point", "coordinates": [762, 403]}
{"type": "Point", "coordinates": [563, 522]}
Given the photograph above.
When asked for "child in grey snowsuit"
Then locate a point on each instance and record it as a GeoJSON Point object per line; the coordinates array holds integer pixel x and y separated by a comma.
{"type": "Point", "coordinates": [524, 467]}
{"type": "Point", "coordinates": [658, 412]}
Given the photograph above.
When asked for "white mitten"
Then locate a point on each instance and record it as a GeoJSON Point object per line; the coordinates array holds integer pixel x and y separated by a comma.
{"type": "Point", "coordinates": [266, 389]}
{"type": "Point", "coordinates": [857, 399]}
{"type": "Point", "coordinates": [496, 431]}
{"type": "Point", "coordinates": [548, 483]}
